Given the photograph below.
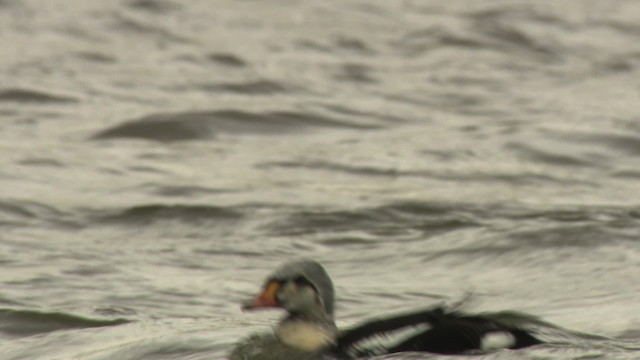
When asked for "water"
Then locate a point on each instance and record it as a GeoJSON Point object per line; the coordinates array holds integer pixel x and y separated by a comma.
{"type": "Point", "coordinates": [159, 158]}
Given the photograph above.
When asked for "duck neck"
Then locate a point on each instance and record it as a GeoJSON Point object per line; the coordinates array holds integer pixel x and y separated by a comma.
{"type": "Point", "coordinates": [316, 314]}
{"type": "Point", "coordinates": [309, 331]}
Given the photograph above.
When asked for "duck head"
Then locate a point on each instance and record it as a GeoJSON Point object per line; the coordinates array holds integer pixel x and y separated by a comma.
{"type": "Point", "coordinates": [300, 287]}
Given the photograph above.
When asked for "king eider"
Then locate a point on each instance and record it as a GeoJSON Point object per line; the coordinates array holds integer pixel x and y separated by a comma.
{"type": "Point", "coordinates": [305, 291]}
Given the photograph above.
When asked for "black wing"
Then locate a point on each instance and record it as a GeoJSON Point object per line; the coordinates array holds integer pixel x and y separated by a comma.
{"type": "Point", "coordinates": [456, 333]}
{"type": "Point", "coordinates": [431, 330]}
{"type": "Point", "coordinates": [373, 337]}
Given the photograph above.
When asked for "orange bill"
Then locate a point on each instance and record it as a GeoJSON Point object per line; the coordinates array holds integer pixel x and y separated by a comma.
{"type": "Point", "coordinates": [266, 299]}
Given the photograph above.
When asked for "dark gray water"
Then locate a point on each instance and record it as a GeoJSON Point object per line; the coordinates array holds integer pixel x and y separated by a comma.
{"type": "Point", "coordinates": [159, 158]}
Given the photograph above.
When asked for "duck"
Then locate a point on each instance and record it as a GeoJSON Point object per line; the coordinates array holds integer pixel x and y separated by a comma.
{"type": "Point", "coordinates": [304, 290]}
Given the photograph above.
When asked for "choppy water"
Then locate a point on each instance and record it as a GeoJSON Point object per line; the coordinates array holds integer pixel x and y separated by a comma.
{"type": "Point", "coordinates": [159, 158]}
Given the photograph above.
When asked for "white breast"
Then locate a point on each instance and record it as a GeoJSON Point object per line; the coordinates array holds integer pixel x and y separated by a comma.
{"type": "Point", "coordinates": [304, 336]}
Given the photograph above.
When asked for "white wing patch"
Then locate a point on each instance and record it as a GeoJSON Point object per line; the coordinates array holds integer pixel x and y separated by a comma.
{"type": "Point", "coordinates": [377, 344]}
{"type": "Point", "coordinates": [497, 340]}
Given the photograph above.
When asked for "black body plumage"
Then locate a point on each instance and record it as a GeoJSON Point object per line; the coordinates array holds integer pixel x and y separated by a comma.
{"type": "Point", "coordinates": [446, 333]}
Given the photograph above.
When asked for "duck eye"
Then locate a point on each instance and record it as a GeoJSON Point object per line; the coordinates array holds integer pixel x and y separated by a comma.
{"type": "Point", "coordinates": [301, 281]}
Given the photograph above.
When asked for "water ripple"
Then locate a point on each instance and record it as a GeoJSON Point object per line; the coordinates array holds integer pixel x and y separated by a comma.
{"type": "Point", "coordinates": [154, 6]}
{"type": "Point", "coordinates": [254, 87]}
{"type": "Point", "coordinates": [20, 212]}
{"type": "Point", "coordinates": [227, 60]}
{"type": "Point", "coordinates": [33, 96]}
{"type": "Point", "coordinates": [148, 214]}
{"type": "Point", "coordinates": [19, 322]}
{"type": "Point", "coordinates": [130, 25]}
{"type": "Point", "coordinates": [205, 124]}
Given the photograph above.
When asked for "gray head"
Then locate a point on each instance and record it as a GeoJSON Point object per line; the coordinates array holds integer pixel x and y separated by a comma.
{"type": "Point", "coordinates": [296, 286]}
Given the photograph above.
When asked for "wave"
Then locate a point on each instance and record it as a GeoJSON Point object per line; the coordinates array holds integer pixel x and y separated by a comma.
{"type": "Point", "coordinates": [181, 126]}
{"type": "Point", "coordinates": [584, 227]}
{"type": "Point", "coordinates": [24, 322]}
{"type": "Point", "coordinates": [161, 212]}
{"type": "Point", "coordinates": [254, 87]}
{"type": "Point", "coordinates": [227, 60]}
{"type": "Point", "coordinates": [154, 6]}
{"type": "Point", "coordinates": [463, 175]}
{"type": "Point", "coordinates": [33, 96]}
{"type": "Point", "coordinates": [15, 212]}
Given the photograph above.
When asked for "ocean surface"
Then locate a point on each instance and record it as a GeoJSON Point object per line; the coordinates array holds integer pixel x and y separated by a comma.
{"type": "Point", "coordinates": [159, 158]}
